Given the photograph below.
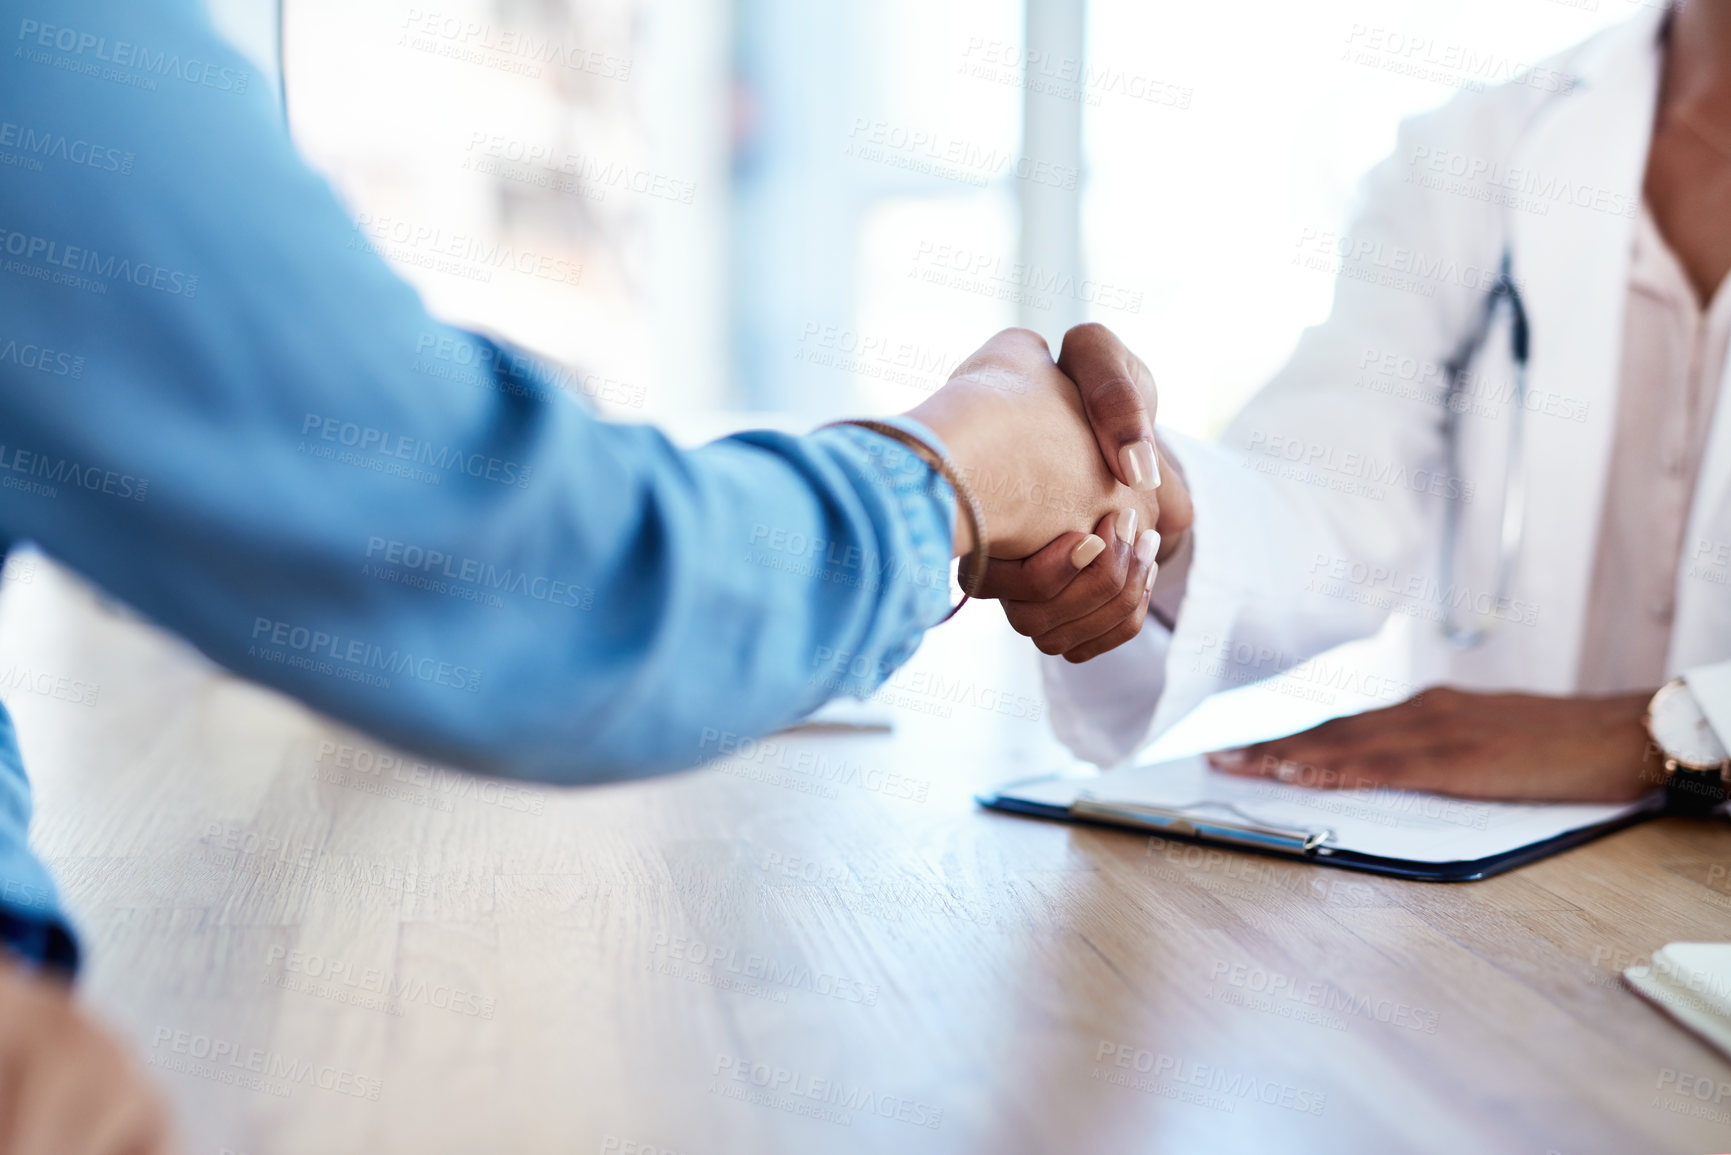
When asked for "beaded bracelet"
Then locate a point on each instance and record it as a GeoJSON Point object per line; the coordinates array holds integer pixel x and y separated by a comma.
{"type": "Point", "coordinates": [973, 568]}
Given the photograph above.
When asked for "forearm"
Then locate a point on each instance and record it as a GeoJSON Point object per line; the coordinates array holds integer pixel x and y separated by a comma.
{"type": "Point", "coordinates": [272, 449]}
{"type": "Point", "coordinates": [1242, 602]}
{"type": "Point", "coordinates": [605, 606]}
{"type": "Point", "coordinates": [1321, 511]}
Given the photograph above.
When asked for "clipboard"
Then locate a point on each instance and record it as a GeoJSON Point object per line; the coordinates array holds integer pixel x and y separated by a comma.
{"type": "Point", "coordinates": [1186, 801]}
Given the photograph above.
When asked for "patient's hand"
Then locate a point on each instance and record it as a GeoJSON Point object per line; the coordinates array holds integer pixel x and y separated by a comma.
{"type": "Point", "coordinates": [69, 1089]}
{"type": "Point", "coordinates": [1508, 746]}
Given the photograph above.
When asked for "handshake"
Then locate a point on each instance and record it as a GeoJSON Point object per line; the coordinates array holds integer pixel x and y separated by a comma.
{"type": "Point", "coordinates": [1079, 502]}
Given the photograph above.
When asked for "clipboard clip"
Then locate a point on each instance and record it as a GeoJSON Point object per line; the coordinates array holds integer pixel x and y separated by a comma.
{"type": "Point", "coordinates": [1236, 826]}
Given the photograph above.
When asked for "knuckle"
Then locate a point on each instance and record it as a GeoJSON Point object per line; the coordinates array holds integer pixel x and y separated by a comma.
{"type": "Point", "coordinates": [1018, 334]}
{"type": "Point", "coordinates": [1089, 331]}
{"type": "Point", "coordinates": [1138, 617]}
{"type": "Point", "coordinates": [990, 588]}
{"type": "Point", "coordinates": [1085, 340]}
{"type": "Point", "coordinates": [1115, 398]}
{"type": "Point", "coordinates": [1051, 583]}
{"type": "Point", "coordinates": [1113, 639]}
{"type": "Point", "coordinates": [1041, 625]}
{"type": "Point", "coordinates": [1110, 571]}
{"type": "Point", "coordinates": [1023, 620]}
{"type": "Point", "coordinates": [1085, 595]}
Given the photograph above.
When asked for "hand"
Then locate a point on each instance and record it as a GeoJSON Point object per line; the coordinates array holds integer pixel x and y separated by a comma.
{"type": "Point", "coordinates": [1018, 435]}
{"type": "Point", "coordinates": [1118, 395]}
{"type": "Point", "coordinates": [1507, 746]}
{"type": "Point", "coordinates": [1056, 597]}
{"type": "Point", "coordinates": [68, 1089]}
{"type": "Point", "coordinates": [1083, 594]}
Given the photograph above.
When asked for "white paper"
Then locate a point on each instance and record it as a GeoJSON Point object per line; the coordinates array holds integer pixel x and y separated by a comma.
{"type": "Point", "coordinates": [1388, 823]}
{"type": "Point", "coordinates": [1698, 969]}
{"type": "Point", "coordinates": [1692, 981]}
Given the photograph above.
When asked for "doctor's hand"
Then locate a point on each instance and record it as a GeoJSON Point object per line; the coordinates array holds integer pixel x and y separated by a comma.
{"type": "Point", "coordinates": [66, 1088]}
{"type": "Point", "coordinates": [1082, 596]}
{"type": "Point", "coordinates": [1445, 741]}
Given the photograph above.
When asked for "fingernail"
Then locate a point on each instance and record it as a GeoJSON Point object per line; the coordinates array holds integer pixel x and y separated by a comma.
{"type": "Point", "coordinates": [1137, 461]}
{"type": "Point", "coordinates": [1228, 759]}
{"type": "Point", "coordinates": [1146, 547]}
{"type": "Point", "coordinates": [1086, 551]}
{"type": "Point", "coordinates": [1126, 526]}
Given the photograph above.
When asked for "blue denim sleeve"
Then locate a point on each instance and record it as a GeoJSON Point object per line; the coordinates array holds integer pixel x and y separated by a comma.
{"type": "Point", "coordinates": [219, 403]}
{"type": "Point", "coordinates": [32, 926]}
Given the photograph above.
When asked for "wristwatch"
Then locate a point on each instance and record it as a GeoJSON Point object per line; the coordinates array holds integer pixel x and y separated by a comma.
{"type": "Point", "coordinates": [1696, 764]}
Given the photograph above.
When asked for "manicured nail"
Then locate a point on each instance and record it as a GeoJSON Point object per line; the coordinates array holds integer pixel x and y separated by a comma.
{"type": "Point", "coordinates": [1086, 551]}
{"type": "Point", "coordinates": [1228, 759]}
{"type": "Point", "coordinates": [1126, 526]}
{"type": "Point", "coordinates": [1137, 461]}
{"type": "Point", "coordinates": [1148, 582]}
{"type": "Point", "coordinates": [1146, 547]}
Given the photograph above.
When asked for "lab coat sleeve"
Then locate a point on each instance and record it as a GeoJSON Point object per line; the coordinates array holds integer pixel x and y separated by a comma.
{"type": "Point", "coordinates": [1324, 479]}
{"type": "Point", "coordinates": [218, 402]}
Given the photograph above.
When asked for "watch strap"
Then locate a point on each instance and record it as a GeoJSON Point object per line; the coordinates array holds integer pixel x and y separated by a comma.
{"type": "Point", "coordinates": [1691, 791]}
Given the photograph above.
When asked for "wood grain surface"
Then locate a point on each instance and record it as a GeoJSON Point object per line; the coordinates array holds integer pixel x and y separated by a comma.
{"type": "Point", "coordinates": [820, 945]}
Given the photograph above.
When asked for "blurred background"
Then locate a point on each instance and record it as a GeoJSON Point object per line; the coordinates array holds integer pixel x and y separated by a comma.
{"type": "Point", "coordinates": [808, 209]}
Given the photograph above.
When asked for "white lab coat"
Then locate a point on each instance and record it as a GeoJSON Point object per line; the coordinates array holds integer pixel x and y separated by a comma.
{"type": "Point", "coordinates": [1285, 568]}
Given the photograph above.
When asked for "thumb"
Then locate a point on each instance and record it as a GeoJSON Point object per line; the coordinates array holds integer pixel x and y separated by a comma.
{"type": "Point", "coordinates": [1044, 575]}
{"type": "Point", "coordinates": [1118, 396]}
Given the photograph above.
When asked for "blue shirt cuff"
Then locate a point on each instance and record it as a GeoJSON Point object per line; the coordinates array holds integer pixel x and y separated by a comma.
{"type": "Point", "coordinates": [927, 505]}
{"type": "Point", "coordinates": [40, 943]}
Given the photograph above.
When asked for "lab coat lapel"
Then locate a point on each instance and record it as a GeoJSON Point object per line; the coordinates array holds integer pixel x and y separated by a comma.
{"type": "Point", "coordinates": [1571, 263]}
{"type": "Point", "coordinates": [1701, 629]}
{"type": "Point", "coordinates": [1716, 463]}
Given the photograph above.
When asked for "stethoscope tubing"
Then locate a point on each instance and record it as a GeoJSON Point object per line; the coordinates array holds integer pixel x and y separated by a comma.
{"type": "Point", "coordinates": [1513, 528]}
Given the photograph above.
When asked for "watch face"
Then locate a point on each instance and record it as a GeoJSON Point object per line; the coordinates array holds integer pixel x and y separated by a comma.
{"type": "Point", "coordinates": [1680, 729]}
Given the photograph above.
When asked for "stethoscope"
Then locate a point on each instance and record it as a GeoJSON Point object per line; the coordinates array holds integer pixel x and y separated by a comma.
{"type": "Point", "coordinates": [1455, 405]}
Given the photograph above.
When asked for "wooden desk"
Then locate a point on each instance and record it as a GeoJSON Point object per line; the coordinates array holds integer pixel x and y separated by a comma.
{"type": "Point", "coordinates": [320, 955]}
